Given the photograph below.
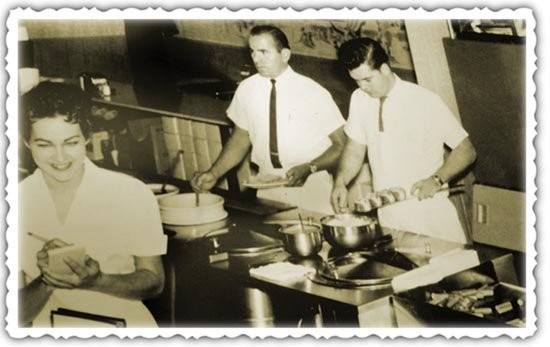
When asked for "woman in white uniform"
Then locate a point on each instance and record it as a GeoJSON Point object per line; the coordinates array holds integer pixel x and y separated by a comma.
{"type": "Point", "coordinates": [69, 200]}
{"type": "Point", "coordinates": [309, 127]}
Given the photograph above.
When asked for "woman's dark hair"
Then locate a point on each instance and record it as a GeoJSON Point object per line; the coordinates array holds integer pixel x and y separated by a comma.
{"type": "Point", "coordinates": [281, 41]}
{"type": "Point", "coordinates": [362, 50]}
{"type": "Point", "coordinates": [50, 100]}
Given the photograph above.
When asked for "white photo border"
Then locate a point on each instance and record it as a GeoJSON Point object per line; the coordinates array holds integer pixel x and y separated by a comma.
{"type": "Point", "coordinates": [222, 13]}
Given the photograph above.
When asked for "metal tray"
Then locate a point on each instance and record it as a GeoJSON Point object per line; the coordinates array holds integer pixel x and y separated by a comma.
{"type": "Point", "coordinates": [250, 243]}
{"type": "Point", "coordinates": [358, 269]}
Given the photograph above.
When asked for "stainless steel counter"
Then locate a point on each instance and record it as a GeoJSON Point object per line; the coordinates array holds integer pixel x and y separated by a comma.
{"type": "Point", "coordinates": [203, 291]}
{"type": "Point", "coordinates": [215, 291]}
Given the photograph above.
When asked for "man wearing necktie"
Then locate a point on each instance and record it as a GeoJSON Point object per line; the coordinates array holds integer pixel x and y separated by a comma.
{"type": "Point", "coordinates": [404, 129]}
{"type": "Point", "coordinates": [290, 122]}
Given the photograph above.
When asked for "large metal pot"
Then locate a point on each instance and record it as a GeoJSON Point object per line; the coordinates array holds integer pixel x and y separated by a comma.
{"type": "Point", "coordinates": [350, 231]}
{"type": "Point", "coordinates": [182, 209]}
{"type": "Point", "coordinates": [302, 240]}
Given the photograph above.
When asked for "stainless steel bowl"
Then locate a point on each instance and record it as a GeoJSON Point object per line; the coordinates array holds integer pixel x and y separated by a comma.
{"type": "Point", "coordinates": [302, 241]}
{"type": "Point", "coordinates": [350, 231]}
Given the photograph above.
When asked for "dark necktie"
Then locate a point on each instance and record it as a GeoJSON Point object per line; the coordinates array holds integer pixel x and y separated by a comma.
{"type": "Point", "coordinates": [273, 146]}
{"type": "Point", "coordinates": [380, 113]}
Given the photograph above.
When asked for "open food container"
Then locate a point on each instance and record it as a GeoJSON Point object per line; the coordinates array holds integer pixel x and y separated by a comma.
{"type": "Point", "coordinates": [350, 231]}
{"type": "Point", "coordinates": [302, 240]}
{"type": "Point", "coordinates": [486, 295]}
{"type": "Point", "coordinates": [162, 190]}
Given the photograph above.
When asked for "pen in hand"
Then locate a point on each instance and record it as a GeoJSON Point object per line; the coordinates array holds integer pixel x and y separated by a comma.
{"type": "Point", "coordinates": [38, 237]}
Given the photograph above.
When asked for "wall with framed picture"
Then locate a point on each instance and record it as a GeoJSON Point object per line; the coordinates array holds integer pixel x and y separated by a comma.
{"type": "Point", "coordinates": [492, 30]}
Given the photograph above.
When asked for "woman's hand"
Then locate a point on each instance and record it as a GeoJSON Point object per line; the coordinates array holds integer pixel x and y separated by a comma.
{"type": "Point", "coordinates": [298, 175]}
{"type": "Point", "coordinates": [42, 259]}
{"type": "Point", "coordinates": [82, 276]}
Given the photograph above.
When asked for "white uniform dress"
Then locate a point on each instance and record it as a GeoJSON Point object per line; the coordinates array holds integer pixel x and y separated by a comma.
{"type": "Point", "coordinates": [417, 124]}
{"type": "Point", "coordinates": [114, 216]}
{"type": "Point", "coordinates": [306, 116]}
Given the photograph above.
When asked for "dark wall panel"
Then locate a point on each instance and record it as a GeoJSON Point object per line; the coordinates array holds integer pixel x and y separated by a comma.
{"type": "Point", "coordinates": [197, 59]}
{"type": "Point", "coordinates": [68, 57]}
{"type": "Point", "coordinates": [489, 82]}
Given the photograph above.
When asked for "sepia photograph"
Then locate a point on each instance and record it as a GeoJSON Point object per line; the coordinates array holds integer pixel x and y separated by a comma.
{"type": "Point", "coordinates": [337, 173]}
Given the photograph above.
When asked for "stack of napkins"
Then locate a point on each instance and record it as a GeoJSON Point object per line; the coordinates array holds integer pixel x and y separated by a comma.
{"type": "Point", "coordinates": [439, 267]}
{"type": "Point", "coordinates": [281, 272]}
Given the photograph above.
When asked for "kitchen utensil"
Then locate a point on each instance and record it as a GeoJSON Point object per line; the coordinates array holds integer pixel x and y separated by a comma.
{"type": "Point", "coordinates": [265, 181]}
{"type": "Point", "coordinates": [259, 206]}
{"type": "Point", "coordinates": [180, 209]}
{"type": "Point", "coordinates": [302, 240]}
{"type": "Point", "coordinates": [383, 198]}
{"type": "Point", "coordinates": [301, 221]}
{"type": "Point", "coordinates": [284, 221]}
{"type": "Point", "coordinates": [172, 169]}
{"type": "Point", "coordinates": [350, 231]}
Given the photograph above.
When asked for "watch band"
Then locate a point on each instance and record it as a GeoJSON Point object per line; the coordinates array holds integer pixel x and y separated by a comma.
{"type": "Point", "coordinates": [438, 179]}
{"type": "Point", "coordinates": [312, 168]}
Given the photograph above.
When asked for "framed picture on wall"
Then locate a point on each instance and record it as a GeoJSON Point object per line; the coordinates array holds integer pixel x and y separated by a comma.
{"type": "Point", "coordinates": [494, 30]}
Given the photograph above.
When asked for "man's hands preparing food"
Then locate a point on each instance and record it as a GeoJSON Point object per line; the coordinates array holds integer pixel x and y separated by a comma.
{"type": "Point", "coordinates": [295, 177]}
{"type": "Point", "coordinates": [423, 189]}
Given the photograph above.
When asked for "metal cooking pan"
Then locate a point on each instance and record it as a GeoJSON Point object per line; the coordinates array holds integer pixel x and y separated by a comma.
{"type": "Point", "coordinates": [358, 269]}
{"type": "Point", "coordinates": [350, 230]}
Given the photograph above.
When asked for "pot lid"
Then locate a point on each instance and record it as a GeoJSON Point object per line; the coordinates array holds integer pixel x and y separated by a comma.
{"type": "Point", "coordinates": [200, 231]}
{"type": "Point", "coordinates": [250, 242]}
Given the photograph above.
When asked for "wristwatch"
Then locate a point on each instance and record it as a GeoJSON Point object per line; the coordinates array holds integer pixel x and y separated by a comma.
{"type": "Point", "coordinates": [438, 179]}
{"type": "Point", "coordinates": [312, 168]}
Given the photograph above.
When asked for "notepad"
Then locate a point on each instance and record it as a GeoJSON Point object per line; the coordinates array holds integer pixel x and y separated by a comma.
{"type": "Point", "coordinates": [57, 256]}
{"type": "Point", "coordinates": [76, 319]}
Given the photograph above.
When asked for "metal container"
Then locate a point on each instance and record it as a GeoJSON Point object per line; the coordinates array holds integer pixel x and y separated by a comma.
{"type": "Point", "coordinates": [302, 240]}
{"type": "Point", "coordinates": [350, 231]}
{"type": "Point", "coordinates": [162, 190]}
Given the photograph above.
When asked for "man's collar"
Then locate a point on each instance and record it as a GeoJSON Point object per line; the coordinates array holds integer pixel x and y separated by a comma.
{"type": "Point", "coordinates": [285, 75]}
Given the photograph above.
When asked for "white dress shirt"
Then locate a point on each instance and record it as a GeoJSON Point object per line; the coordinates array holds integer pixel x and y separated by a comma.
{"type": "Point", "coordinates": [417, 125]}
{"type": "Point", "coordinates": [306, 116]}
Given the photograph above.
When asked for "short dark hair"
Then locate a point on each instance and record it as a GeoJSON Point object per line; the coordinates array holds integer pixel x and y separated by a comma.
{"type": "Point", "coordinates": [362, 50]}
{"type": "Point", "coordinates": [50, 100]}
{"type": "Point", "coordinates": [281, 41]}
